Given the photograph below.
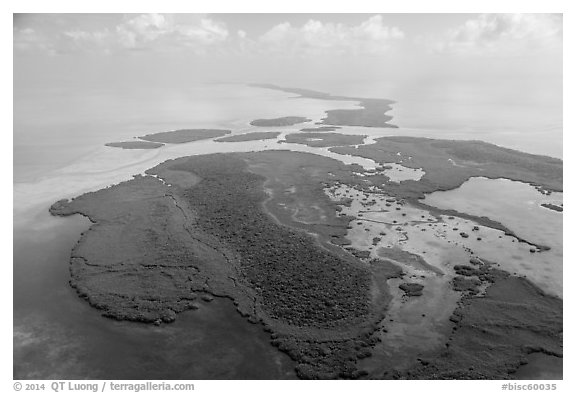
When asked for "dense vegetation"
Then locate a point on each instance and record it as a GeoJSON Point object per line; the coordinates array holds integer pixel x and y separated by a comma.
{"type": "Point", "coordinates": [298, 282]}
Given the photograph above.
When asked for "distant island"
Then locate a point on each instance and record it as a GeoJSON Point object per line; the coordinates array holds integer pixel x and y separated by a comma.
{"type": "Point", "coordinates": [185, 136]}
{"type": "Point", "coordinates": [320, 129]}
{"type": "Point", "coordinates": [372, 113]}
{"type": "Point", "coordinates": [279, 122]}
{"type": "Point", "coordinates": [156, 140]}
{"type": "Point", "coordinates": [552, 206]}
{"type": "Point", "coordinates": [135, 145]}
{"type": "Point", "coordinates": [252, 136]}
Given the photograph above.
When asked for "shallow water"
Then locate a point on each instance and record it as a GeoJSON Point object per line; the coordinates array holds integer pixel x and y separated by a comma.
{"type": "Point", "coordinates": [414, 326]}
{"type": "Point", "coordinates": [68, 124]}
{"type": "Point", "coordinates": [416, 231]}
{"type": "Point", "coordinates": [517, 206]}
{"type": "Point", "coordinates": [58, 336]}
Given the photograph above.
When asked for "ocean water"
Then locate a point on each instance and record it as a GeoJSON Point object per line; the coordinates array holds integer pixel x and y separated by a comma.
{"type": "Point", "coordinates": [54, 128]}
{"type": "Point", "coordinates": [59, 152]}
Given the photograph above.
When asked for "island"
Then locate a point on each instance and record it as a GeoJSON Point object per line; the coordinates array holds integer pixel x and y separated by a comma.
{"type": "Point", "coordinates": [320, 129]}
{"type": "Point", "coordinates": [279, 122]}
{"type": "Point", "coordinates": [252, 136]}
{"type": "Point", "coordinates": [261, 229]}
{"type": "Point", "coordinates": [449, 163]}
{"type": "Point", "coordinates": [553, 207]}
{"type": "Point", "coordinates": [135, 145]}
{"type": "Point", "coordinates": [371, 114]}
{"type": "Point", "coordinates": [185, 135]}
{"type": "Point", "coordinates": [203, 225]}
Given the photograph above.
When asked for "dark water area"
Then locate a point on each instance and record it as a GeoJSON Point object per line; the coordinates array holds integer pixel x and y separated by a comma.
{"type": "Point", "coordinates": [541, 367]}
{"type": "Point", "coordinates": [57, 335]}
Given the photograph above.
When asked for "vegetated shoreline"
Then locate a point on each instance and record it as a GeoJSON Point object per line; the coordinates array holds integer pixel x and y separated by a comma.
{"type": "Point", "coordinates": [135, 145]}
{"type": "Point", "coordinates": [287, 343]}
{"type": "Point", "coordinates": [553, 207]}
{"type": "Point", "coordinates": [484, 221]}
{"type": "Point", "coordinates": [251, 136]}
{"type": "Point", "coordinates": [117, 287]}
{"type": "Point", "coordinates": [185, 135]}
{"type": "Point", "coordinates": [160, 139]}
{"type": "Point", "coordinates": [279, 121]}
{"type": "Point", "coordinates": [321, 129]}
{"type": "Point", "coordinates": [433, 156]}
{"type": "Point", "coordinates": [495, 329]}
{"type": "Point", "coordinates": [436, 158]}
{"type": "Point", "coordinates": [372, 113]}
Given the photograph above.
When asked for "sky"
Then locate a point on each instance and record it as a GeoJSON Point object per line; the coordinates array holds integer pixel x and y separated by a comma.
{"type": "Point", "coordinates": [299, 49]}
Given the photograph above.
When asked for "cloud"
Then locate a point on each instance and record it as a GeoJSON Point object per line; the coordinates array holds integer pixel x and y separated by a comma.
{"type": "Point", "coordinates": [135, 32]}
{"type": "Point", "coordinates": [142, 29]}
{"type": "Point", "coordinates": [145, 30]}
{"type": "Point", "coordinates": [197, 34]}
{"type": "Point", "coordinates": [502, 34]}
{"type": "Point", "coordinates": [370, 37]}
{"type": "Point", "coordinates": [28, 40]}
{"type": "Point", "coordinates": [96, 36]}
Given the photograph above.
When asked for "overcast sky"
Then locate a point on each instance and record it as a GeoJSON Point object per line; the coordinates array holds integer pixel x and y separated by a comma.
{"type": "Point", "coordinates": [112, 49]}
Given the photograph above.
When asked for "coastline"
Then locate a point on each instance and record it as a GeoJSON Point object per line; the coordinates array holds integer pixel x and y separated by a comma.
{"type": "Point", "coordinates": [243, 311]}
{"type": "Point", "coordinates": [372, 113]}
{"type": "Point", "coordinates": [300, 218]}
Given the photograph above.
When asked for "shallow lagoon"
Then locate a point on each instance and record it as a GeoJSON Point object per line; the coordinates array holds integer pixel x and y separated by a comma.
{"type": "Point", "coordinates": [518, 206]}
{"type": "Point", "coordinates": [416, 325]}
